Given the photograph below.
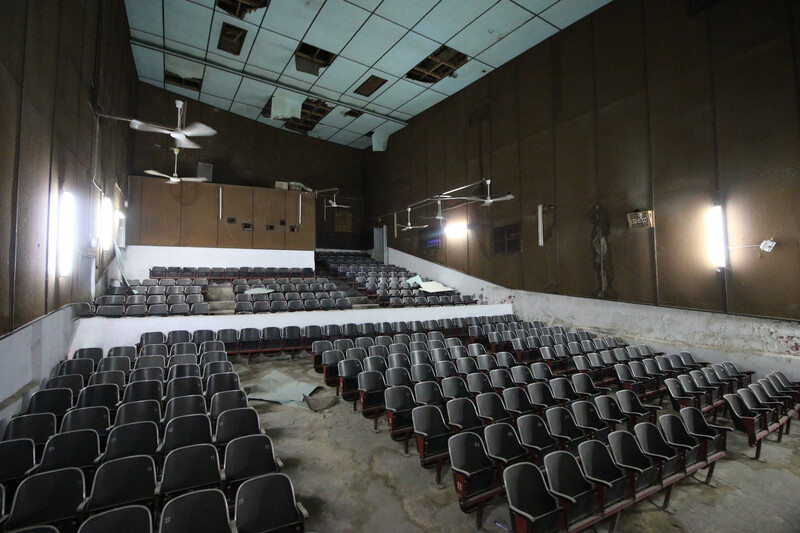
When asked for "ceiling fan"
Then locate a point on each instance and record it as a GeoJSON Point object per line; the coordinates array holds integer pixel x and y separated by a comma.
{"type": "Point", "coordinates": [179, 133]}
{"type": "Point", "coordinates": [408, 225]}
{"type": "Point", "coordinates": [485, 201]}
{"type": "Point", "coordinates": [174, 178]}
{"type": "Point", "coordinates": [439, 214]}
{"type": "Point", "coordinates": [332, 203]}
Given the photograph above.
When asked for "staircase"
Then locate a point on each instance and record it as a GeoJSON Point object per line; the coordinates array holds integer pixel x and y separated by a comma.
{"type": "Point", "coordinates": [220, 299]}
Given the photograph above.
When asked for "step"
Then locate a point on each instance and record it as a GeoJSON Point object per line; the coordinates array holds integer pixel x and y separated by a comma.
{"type": "Point", "coordinates": [222, 305]}
{"type": "Point", "coordinates": [219, 293]}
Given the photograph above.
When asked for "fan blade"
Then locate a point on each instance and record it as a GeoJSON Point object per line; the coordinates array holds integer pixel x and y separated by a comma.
{"type": "Point", "coordinates": [156, 173]}
{"type": "Point", "coordinates": [186, 143]}
{"type": "Point", "coordinates": [198, 129]}
{"type": "Point", "coordinates": [138, 125]}
{"type": "Point", "coordinates": [195, 179]}
{"type": "Point", "coordinates": [343, 206]}
{"type": "Point", "coordinates": [488, 201]}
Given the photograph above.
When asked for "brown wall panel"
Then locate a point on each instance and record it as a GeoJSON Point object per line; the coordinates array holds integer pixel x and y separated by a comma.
{"type": "Point", "coordinates": [160, 213]}
{"type": "Point", "coordinates": [199, 214]}
{"type": "Point", "coordinates": [269, 209]}
{"type": "Point", "coordinates": [134, 214]}
{"type": "Point", "coordinates": [237, 209]}
{"type": "Point", "coordinates": [302, 220]}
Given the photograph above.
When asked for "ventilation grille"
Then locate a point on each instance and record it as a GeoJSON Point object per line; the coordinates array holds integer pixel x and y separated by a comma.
{"type": "Point", "coordinates": [641, 220]}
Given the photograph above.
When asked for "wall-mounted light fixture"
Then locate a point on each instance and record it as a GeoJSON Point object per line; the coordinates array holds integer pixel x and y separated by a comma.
{"type": "Point", "coordinates": [66, 234]}
{"type": "Point", "coordinates": [715, 237]}
{"type": "Point", "coordinates": [455, 231]}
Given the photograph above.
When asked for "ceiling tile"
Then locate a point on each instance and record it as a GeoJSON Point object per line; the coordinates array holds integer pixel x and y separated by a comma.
{"type": "Point", "coordinates": [225, 61]}
{"type": "Point", "coordinates": [154, 83]}
{"type": "Point", "coordinates": [207, 3]}
{"type": "Point", "coordinates": [362, 142]}
{"type": "Point", "coordinates": [292, 72]}
{"type": "Point", "coordinates": [245, 110]}
{"type": "Point", "coordinates": [535, 6]}
{"type": "Point", "coordinates": [405, 12]}
{"type": "Point", "coordinates": [472, 70]}
{"type": "Point", "coordinates": [322, 131]}
{"type": "Point", "coordinates": [335, 25]}
{"type": "Point", "coordinates": [344, 137]}
{"type": "Point", "coordinates": [422, 102]}
{"type": "Point", "coordinates": [149, 38]}
{"type": "Point", "coordinates": [295, 83]}
{"type": "Point", "coordinates": [450, 17]}
{"type": "Point", "coordinates": [216, 101]}
{"type": "Point", "coordinates": [149, 63]}
{"type": "Point", "coordinates": [369, 5]}
{"type": "Point", "coordinates": [261, 73]}
{"type": "Point", "coordinates": [290, 17]}
{"type": "Point", "coordinates": [489, 28]}
{"type": "Point", "coordinates": [398, 94]}
{"type": "Point", "coordinates": [529, 35]}
{"type": "Point", "coordinates": [254, 17]}
{"type": "Point", "coordinates": [271, 121]}
{"type": "Point", "coordinates": [389, 127]}
{"type": "Point", "coordinates": [145, 16]}
{"type": "Point", "coordinates": [187, 23]}
{"type": "Point", "coordinates": [337, 118]}
{"type": "Point", "coordinates": [373, 40]}
{"type": "Point", "coordinates": [220, 83]}
{"type": "Point", "coordinates": [411, 49]}
{"type": "Point", "coordinates": [216, 26]}
{"type": "Point", "coordinates": [341, 74]}
{"type": "Point", "coordinates": [183, 67]}
{"type": "Point", "coordinates": [365, 124]}
{"type": "Point", "coordinates": [390, 80]}
{"type": "Point", "coordinates": [185, 49]}
{"type": "Point", "coordinates": [272, 51]}
{"type": "Point", "coordinates": [186, 93]}
{"type": "Point", "coordinates": [254, 93]}
{"type": "Point", "coordinates": [566, 12]}
{"type": "Point", "coordinates": [326, 94]}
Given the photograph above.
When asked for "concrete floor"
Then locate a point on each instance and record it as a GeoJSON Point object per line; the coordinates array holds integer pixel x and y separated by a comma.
{"type": "Point", "coordinates": [352, 480]}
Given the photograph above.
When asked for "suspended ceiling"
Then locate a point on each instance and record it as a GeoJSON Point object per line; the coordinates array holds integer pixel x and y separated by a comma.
{"type": "Point", "coordinates": [383, 38]}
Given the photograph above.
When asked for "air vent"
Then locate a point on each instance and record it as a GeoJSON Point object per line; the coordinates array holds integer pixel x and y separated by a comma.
{"type": "Point", "coordinates": [195, 84]}
{"type": "Point", "coordinates": [372, 84]}
{"type": "Point", "coordinates": [309, 58]}
{"type": "Point", "coordinates": [641, 219]}
{"type": "Point", "coordinates": [240, 8]}
{"type": "Point", "coordinates": [313, 111]}
{"type": "Point", "coordinates": [231, 39]}
{"type": "Point", "coordinates": [440, 64]}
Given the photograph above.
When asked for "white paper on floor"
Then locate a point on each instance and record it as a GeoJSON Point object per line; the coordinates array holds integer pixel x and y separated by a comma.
{"type": "Point", "coordinates": [278, 387]}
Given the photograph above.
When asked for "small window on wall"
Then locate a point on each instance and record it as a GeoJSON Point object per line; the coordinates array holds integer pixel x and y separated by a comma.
{"type": "Point", "coordinates": [507, 239]}
{"type": "Point", "coordinates": [343, 221]}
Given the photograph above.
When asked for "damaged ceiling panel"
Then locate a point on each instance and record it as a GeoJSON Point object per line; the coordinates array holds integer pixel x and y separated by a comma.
{"type": "Point", "coordinates": [348, 71]}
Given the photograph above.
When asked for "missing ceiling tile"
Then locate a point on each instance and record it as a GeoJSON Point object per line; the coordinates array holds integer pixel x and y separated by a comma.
{"type": "Point", "coordinates": [194, 84]}
{"type": "Point", "coordinates": [309, 58]}
{"type": "Point", "coordinates": [372, 84]}
{"type": "Point", "coordinates": [240, 8]}
{"type": "Point", "coordinates": [440, 64]}
{"type": "Point", "coordinates": [231, 39]}
{"type": "Point", "coordinates": [353, 113]}
{"type": "Point", "coordinates": [313, 111]}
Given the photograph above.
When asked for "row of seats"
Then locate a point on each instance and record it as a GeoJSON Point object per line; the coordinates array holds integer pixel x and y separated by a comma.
{"type": "Point", "coordinates": [119, 440]}
{"type": "Point", "coordinates": [173, 295]}
{"type": "Point", "coordinates": [281, 306]}
{"type": "Point", "coordinates": [228, 273]}
{"type": "Point", "coordinates": [156, 309]}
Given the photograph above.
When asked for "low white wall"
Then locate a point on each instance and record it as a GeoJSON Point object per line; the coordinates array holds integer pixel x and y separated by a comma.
{"type": "Point", "coordinates": [109, 332]}
{"type": "Point", "coordinates": [137, 260]}
{"type": "Point", "coordinates": [30, 354]}
{"type": "Point", "coordinates": [758, 344]}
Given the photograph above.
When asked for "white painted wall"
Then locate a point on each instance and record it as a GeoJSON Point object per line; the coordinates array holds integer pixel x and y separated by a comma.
{"type": "Point", "coordinates": [109, 332]}
{"type": "Point", "coordinates": [30, 354]}
{"type": "Point", "coordinates": [137, 260]}
{"type": "Point", "coordinates": [758, 344]}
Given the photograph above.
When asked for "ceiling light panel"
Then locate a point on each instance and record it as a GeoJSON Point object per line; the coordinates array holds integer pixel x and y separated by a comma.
{"type": "Point", "coordinates": [149, 63]}
{"type": "Point", "coordinates": [566, 12]}
{"type": "Point", "coordinates": [373, 39]}
{"type": "Point", "coordinates": [489, 28]}
{"type": "Point", "coordinates": [220, 83]}
{"type": "Point", "coordinates": [272, 51]}
{"type": "Point", "coordinates": [404, 12]}
{"type": "Point", "coordinates": [145, 16]}
{"type": "Point", "coordinates": [530, 34]}
{"type": "Point", "coordinates": [337, 22]}
{"type": "Point", "coordinates": [340, 75]}
{"type": "Point", "coordinates": [449, 17]}
{"type": "Point", "coordinates": [290, 17]}
{"type": "Point", "coordinates": [254, 93]}
{"type": "Point", "coordinates": [187, 23]}
{"type": "Point", "coordinates": [406, 53]}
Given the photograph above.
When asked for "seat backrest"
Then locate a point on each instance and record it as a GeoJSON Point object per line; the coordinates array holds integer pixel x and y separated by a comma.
{"type": "Point", "coordinates": [266, 503]}
{"type": "Point", "coordinates": [529, 495]}
{"type": "Point", "coordinates": [147, 374]}
{"type": "Point", "coordinates": [652, 441]}
{"type": "Point", "coordinates": [190, 467]}
{"type": "Point", "coordinates": [248, 456]}
{"type": "Point", "coordinates": [502, 441]}
{"type": "Point", "coordinates": [467, 453]}
{"type": "Point", "coordinates": [96, 418]}
{"type": "Point", "coordinates": [428, 421]}
{"type": "Point", "coordinates": [136, 438]}
{"type": "Point", "coordinates": [200, 510]}
{"type": "Point", "coordinates": [46, 498]}
{"type": "Point", "coordinates": [128, 518]}
{"type": "Point", "coordinates": [564, 474]}
{"type": "Point", "coordinates": [123, 481]}
{"type": "Point", "coordinates": [533, 432]}
{"type": "Point", "coordinates": [184, 405]}
{"type": "Point", "coordinates": [597, 461]}
{"type": "Point", "coordinates": [399, 398]}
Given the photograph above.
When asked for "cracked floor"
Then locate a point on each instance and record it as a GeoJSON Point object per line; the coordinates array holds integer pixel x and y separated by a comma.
{"type": "Point", "coordinates": [354, 480]}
